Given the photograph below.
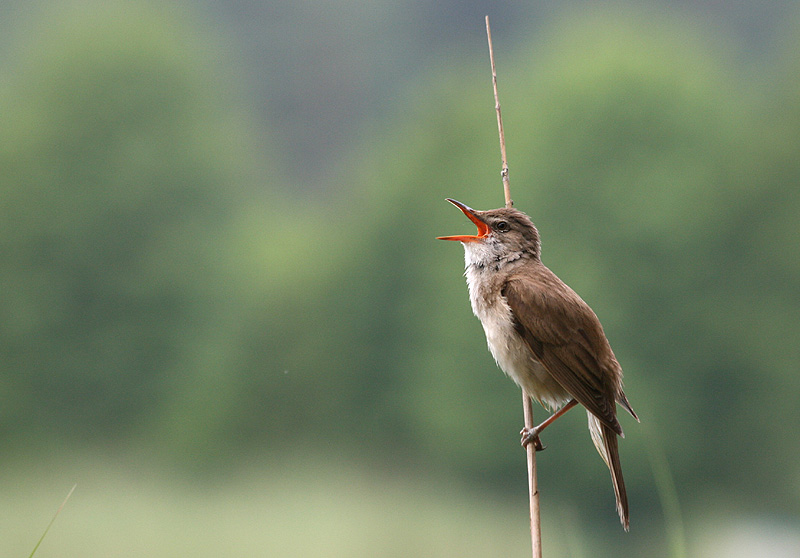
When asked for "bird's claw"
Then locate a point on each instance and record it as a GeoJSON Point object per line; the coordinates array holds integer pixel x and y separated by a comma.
{"type": "Point", "coordinates": [529, 435]}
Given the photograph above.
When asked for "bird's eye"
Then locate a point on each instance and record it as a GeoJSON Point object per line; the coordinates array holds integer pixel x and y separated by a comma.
{"type": "Point", "coordinates": [501, 226]}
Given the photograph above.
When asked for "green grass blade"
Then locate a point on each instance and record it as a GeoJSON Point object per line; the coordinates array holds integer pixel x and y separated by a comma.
{"type": "Point", "coordinates": [668, 494]}
{"type": "Point", "coordinates": [58, 511]}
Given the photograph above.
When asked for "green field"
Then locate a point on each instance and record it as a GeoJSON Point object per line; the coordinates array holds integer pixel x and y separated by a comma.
{"type": "Point", "coordinates": [318, 506]}
{"type": "Point", "coordinates": [121, 508]}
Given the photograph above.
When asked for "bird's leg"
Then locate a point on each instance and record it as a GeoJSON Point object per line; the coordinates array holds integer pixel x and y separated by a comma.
{"type": "Point", "coordinates": [532, 435]}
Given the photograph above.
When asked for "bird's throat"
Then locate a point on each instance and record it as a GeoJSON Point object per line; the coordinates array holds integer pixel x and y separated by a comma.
{"type": "Point", "coordinates": [490, 256]}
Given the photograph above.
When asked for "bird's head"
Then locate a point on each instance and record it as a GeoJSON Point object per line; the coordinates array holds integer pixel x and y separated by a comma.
{"type": "Point", "coordinates": [502, 234]}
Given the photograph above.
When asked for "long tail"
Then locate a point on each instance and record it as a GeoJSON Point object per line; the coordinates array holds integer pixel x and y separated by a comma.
{"type": "Point", "coordinates": [605, 440]}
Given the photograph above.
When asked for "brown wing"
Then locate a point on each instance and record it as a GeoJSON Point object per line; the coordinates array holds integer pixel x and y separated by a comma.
{"type": "Point", "coordinates": [567, 338]}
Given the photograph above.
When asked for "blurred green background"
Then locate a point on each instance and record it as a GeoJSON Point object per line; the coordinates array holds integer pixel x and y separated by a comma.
{"type": "Point", "coordinates": [224, 316]}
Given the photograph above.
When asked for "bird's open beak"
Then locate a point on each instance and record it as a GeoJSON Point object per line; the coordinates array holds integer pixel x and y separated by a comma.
{"type": "Point", "coordinates": [483, 228]}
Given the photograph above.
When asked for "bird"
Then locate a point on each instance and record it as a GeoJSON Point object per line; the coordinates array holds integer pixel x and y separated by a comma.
{"type": "Point", "coordinates": [542, 334]}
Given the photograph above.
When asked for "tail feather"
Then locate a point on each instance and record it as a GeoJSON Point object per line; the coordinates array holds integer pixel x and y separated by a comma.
{"type": "Point", "coordinates": [605, 440]}
{"type": "Point", "coordinates": [622, 400]}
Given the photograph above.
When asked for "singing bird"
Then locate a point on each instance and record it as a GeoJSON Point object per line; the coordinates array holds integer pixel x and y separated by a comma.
{"type": "Point", "coordinates": [542, 334]}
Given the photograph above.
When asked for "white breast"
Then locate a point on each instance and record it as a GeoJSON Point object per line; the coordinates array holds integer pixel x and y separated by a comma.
{"type": "Point", "coordinates": [509, 349]}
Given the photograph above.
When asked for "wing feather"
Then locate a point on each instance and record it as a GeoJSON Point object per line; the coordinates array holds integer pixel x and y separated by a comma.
{"type": "Point", "coordinates": [567, 338]}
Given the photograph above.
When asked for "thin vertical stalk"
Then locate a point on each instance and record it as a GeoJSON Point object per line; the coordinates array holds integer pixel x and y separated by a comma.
{"type": "Point", "coordinates": [527, 403]}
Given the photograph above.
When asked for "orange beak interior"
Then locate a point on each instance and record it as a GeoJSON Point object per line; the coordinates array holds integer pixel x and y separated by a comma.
{"type": "Point", "coordinates": [483, 228]}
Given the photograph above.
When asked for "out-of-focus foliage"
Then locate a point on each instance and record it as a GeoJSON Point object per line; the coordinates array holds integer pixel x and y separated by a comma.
{"type": "Point", "coordinates": [157, 290]}
{"type": "Point", "coordinates": [122, 168]}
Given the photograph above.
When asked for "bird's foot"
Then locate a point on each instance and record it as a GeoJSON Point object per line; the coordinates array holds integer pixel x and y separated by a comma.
{"type": "Point", "coordinates": [531, 435]}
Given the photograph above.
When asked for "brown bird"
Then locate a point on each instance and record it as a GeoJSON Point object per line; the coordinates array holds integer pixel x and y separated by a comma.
{"type": "Point", "coordinates": [541, 333]}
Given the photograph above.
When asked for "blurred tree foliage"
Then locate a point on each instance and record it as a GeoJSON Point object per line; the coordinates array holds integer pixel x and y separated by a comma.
{"type": "Point", "coordinates": [156, 289]}
{"type": "Point", "coordinates": [122, 166]}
